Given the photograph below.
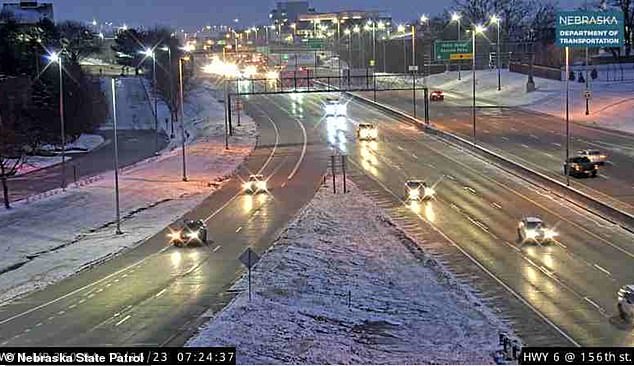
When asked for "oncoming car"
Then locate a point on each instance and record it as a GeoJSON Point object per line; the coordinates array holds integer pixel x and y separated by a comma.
{"type": "Point", "coordinates": [367, 131]}
{"type": "Point", "coordinates": [437, 96]}
{"type": "Point", "coordinates": [335, 107]}
{"type": "Point", "coordinates": [533, 229]}
{"type": "Point", "coordinates": [192, 232]}
{"type": "Point", "coordinates": [417, 190]}
{"type": "Point", "coordinates": [625, 304]}
{"type": "Point", "coordinates": [255, 184]}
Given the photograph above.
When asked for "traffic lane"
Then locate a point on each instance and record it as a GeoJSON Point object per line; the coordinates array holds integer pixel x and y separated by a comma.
{"type": "Point", "coordinates": [538, 147]}
{"type": "Point", "coordinates": [134, 146]}
{"type": "Point", "coordinates": [473, 199]}
{"type": "Point", "coordinates": [158, 241]}
{"type": "Point", "coordinates": [268, 215]}
{"type": "Point", "coordinates": [587, 312]}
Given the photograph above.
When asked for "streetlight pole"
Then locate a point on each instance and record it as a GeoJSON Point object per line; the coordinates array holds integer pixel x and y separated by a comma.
{"type": "Point", "coordinates": [116, 156]}
{"type": "Point", "coordinates": [401, 29]}
{"type": "Point", "coordinates": [456, 18]}
{"type": "Point", "coordinates": [496, 20]}
{"type": "Point", "coordinates": [373, 44]}
{"type": "Point", "coordinates": [477, 29]}
{"type": "Point", "coordinates": [61, 117]}
{"type": "Point", "coordinates": [567, 170]}
{"type": "Point", "coordinates": [413, 45]}
{"type": "Point", "coordinates": [182, 114]}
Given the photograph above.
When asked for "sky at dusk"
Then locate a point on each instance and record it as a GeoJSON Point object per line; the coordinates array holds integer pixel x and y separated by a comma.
{"type": "Point", "coordinates": [196, 13]}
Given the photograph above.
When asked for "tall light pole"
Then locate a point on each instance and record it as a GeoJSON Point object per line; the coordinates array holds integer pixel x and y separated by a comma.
{"type": "Point", "coordinates": [149, 52]}
{"type": "Point", "coordinates": [413, 44]}
{"type": "Point", "coordinates": [347, 33]}
{"type": "Point", "coordinates": [182, 114]}
{"type": "Point", "coordinates": [57, 57]}
{"type": "Point", "coordinates": [116, 156]}
{"type": "Point", "coordinates": [357, 30]}
{"type": "Point", "coordinates": [455, 17]}
{"type": "Point", "coordinates": [495, 20]}
{"type": "Point", "coordinates": [424, 19]}
{"type": "Point", "coordinates": [373, 43]}
{"type": "Point", "coordinates": [171, 80]}
{"type": "Point", "coordinates": [401, 29]}
{"type": "Point", "coordinates": [476, 30]}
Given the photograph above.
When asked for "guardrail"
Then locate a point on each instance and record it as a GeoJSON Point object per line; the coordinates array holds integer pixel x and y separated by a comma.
{"type": "Point", "coordinates": [572, 195]}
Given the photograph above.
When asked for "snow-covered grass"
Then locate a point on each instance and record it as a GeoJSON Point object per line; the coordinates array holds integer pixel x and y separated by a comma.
{"type": "Point", "coordinates": [343, 285]}
{"type": "Point", "coordinates": [52, 238]}
{"type": "Point", "coordinates": [135, 112]}
{"type": "Point", "coordinates": [84, 143]}
{"type": "Point", "coordinates": [611, 106]}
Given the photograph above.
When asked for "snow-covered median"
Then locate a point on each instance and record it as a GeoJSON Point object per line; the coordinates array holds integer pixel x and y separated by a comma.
{"type": "Point", "coordinates": [344, 286]}
{"type": "Point", "coordinates": [49, 239]}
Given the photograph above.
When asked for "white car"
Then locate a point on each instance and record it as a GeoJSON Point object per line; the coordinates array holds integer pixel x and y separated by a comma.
{"type": "Point", "coordinates": [625, 302]}
{"type": "Point", "coordinates": [335, 107]}
{"type": "Point", "coordinates": [417, 190]}
{"type": "Point", "coordinates": [595, 156]}
{"type": "Point", "coordinates": [533, 229]}
{"type": "Point", "coordinates": [255, 184]}
{"type": "Point", "coordinates": [367, 131]}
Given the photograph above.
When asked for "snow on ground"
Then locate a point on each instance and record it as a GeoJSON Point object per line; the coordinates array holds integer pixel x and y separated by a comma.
{"type": "Point", "coordinates": [135, 111]}
{"type": "Point", "coordinates": [47, 240]}
{"type": "Point", "coordinates": [84, 143]}
{"type": "Point", "coordinates": [403, 308]}
{"type": "Point", "coordinates": [611, 106]}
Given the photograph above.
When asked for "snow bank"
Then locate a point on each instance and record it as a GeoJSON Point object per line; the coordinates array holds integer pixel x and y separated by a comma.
{"type": "Point", "coordinates": [50, 239]}
{"type": "Point", "coordinates": [342, 285]}
{"type": "Point", "coordinates": [84, 143]}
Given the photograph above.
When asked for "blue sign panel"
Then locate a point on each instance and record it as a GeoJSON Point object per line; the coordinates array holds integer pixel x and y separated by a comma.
{"type": "Point", "coordinates": [593, 29]}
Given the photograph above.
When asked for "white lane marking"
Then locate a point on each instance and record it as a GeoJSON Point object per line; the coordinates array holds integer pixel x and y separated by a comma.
{"type": "Point", "coordinates": [72, 306]}
{"type": "Point", "coordinates": [238, 229]}
{"type": "Point", "coordinates": [283, 184]}
{"type": "Point", "coordinates": [450, 177]}
{"type": "Point", "coordinates": [123, 320]}
{"type": "Point", "coordinates": [51, 317]}
{"type": "Point", "coordinates": [556, 144]}
{"type": "Point", "coordinates": [483, 268]}
{"type": "Point", "coordinates": [526, 146]}
{"type": "Point", "coordinates": [504, 138]}
{"type": "Point", "coordinates": [81, 301]}
{"type": "Point", "coordinates": [301, 157]}
{"type": "Point", "coordinates": [602, 269]}
{"type": "Point", "coordinates": [400, 147]}
{"type": "Point", "coordinates": [414, 156]}
{"type": "Point", "coordinates": [604, 176]}
{"type": "Point", "coordinates": [101, 289]}
{"type": "Point", "coordinates": [61, 312]}
{"type": "Point", "coordinates": [216, 249]}
{"type": "Point", "coordinates": [467, 188]}
{"type": "Point", "coordinates": [160, 292]}
{"type": "Point", "coordinates": [592, 302]}
{"type": "Point", "coordinates": [39, 324]}
{"type": "Point", "coordinates": [496, 205]}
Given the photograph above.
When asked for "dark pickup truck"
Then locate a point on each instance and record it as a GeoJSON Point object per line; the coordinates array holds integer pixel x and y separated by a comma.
{"type": "Point", "coordinates": [580, 166]}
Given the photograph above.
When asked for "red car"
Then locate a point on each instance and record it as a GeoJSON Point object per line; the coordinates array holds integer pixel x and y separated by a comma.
{"type": "Point", "coordinates": [437, 96]}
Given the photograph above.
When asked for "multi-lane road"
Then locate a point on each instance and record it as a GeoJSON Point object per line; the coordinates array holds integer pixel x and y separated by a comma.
{"type": "Point", "coordinates": [558, 294]}
{"type": "Point", "coordinates": [156, 294]}
{"type": "Point", "coordinates": [534, 139]}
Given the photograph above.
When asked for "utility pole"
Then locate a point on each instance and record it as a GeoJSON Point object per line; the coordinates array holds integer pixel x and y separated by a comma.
{"type": "Point", "coordinates": [116, 157]}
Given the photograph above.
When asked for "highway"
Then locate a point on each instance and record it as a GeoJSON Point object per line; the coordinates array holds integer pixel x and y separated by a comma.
{"type": "Point", "coordinates": [554, 294]}
{"type": "Point", "coordinates": [156, 294]}
{"type": "Point", "coordinates": [533, 139]}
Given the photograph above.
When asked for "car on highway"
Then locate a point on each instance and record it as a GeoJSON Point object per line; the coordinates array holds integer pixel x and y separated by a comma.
{"type": "Point", "coordinates": [595, 156]}
{"type": "Point", "coordinates": [418, 190]}
{"type": "Point", "coordinates": [191, 232]}
{"type": "Point", "coordinates": [367, 131]}
{"type": "Point", "coordinates": [625, 304]}
{"type": "Point", "coordinates": [580, 166]}
{"type": "Point", "coordinates": [255, 184]}
{"type": "Point", "coordinates": [437, 96]}
{"type": "Point", "coordinates": [335, 107]}
{"type": "Point", "coordinates": [533, 229]}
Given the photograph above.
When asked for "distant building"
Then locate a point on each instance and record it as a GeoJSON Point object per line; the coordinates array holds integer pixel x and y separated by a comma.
{"type": "Point", "coordinates": [287, 12]}
{"type": "Point", "coordinates": [26, 12]}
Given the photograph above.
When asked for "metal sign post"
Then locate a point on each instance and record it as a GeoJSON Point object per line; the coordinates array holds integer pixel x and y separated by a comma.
{"type": "Point", "coordinates": [249, 258]}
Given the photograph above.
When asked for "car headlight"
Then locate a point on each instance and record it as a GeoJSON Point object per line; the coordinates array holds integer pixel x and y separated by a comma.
{"type": "Point", "coordinates": [429, 192]}
{"type": "Point", "coordinates": [414, 193]}
{"type": "Point", "coordinates": [341, 109]}
{"type": "Point", "coordinates": [174, 235]}
{"type": "Point", "coordinates": [531, 234]}
{"type": "Point", "coordinates": [246, 186]}
{"type": "Point", "coordinates": [262, 185]}
{"type": "Point", "coordinates": [549, 234]}
{"type": "Point", "coordinates": [193, 234]}
{"type": "Point", "coordinates": [330, 109]}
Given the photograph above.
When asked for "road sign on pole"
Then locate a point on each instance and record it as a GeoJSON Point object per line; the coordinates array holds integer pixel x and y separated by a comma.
{"type": "Point", "coordinates": [587, 94]}
{"type": "Point", "coordinates": [413, 68]}
{"type": "Point", "coordinates": [592, 29]}
{"type": "Point", "coordinates": [452, 50]}
{"type": "Point", "coordinates": [249, 258]}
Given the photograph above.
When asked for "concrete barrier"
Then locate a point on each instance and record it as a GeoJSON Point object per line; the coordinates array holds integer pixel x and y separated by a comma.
{"type": "Point", "coordinates": [578, 198]}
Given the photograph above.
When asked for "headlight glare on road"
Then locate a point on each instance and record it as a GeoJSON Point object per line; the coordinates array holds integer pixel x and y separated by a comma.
{"type": "Point", "coordinates": [550, 234]}
{"type": "Point", "coordinates": [430, 192]}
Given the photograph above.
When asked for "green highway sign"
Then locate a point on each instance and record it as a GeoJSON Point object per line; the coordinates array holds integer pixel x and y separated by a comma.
{"type": "Point", "coordinates": [593, 29]}
{"type": "Point", "coordinates": [452, 50]}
